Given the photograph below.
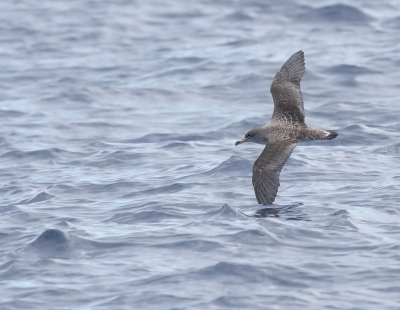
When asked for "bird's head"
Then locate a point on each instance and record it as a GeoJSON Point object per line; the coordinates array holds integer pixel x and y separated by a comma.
{"type": "Point", "coordinates": [257, 135]}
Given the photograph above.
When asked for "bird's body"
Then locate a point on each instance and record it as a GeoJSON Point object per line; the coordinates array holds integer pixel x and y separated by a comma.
{"type": "Point", "coordinates": [286, 129]}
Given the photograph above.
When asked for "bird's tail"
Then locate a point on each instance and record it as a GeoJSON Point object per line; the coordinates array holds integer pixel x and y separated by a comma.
{"type": "Point", "coordinates": [332, 134]}
{"type": "Point", "coordinates": [318, 134]}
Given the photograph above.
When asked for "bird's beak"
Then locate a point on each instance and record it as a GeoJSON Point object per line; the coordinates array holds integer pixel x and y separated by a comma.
{"type": "Point", "coordinates": [241, 141]}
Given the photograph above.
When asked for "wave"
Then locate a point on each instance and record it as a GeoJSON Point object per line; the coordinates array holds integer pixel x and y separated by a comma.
{"type": "Point", "coordinates": [39, 197]}
{"type": "Point", "coordinates": [392, 23]}
{"type": "Point", "coordinates": [143, 217]}
{"type": "Point", "coordinates": [52, 243]}
{"type": "Point", "coordinates": [337, 13]}
{"type": "Point", "coordinates": [351, 70]}
{"type": "Point", "coordinates": [45, 154]}
{"type": "Point", "coordinates": [393, 149]}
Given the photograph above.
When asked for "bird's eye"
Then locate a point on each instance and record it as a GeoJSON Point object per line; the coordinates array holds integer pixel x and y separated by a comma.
{"type": "Point", "coordinates": [247, 135]}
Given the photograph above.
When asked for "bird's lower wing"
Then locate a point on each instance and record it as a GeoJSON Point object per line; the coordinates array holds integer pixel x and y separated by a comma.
{"type": "Point", "coordinates": [267, 168]}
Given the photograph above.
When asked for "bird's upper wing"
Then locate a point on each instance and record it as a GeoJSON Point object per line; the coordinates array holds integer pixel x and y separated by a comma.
{"type": "Point", "coordinates": [285, 89]}
{"type": "Point", "coordinates": [267, 168]}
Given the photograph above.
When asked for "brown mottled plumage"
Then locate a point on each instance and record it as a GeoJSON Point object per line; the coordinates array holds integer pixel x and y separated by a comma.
{"type": "Point", "coordinates": [286, 129]}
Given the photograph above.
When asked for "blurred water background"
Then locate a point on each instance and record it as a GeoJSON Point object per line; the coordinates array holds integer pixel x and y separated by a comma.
{"type": "Point", "coordinates": [121, 187]}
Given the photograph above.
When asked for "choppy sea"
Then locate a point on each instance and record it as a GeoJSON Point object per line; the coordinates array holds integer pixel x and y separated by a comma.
{"type": "Point", "coordinates": [121, 186]}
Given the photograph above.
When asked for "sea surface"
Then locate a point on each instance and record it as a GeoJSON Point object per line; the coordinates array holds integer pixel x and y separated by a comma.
{"type": "Point", "coordinates": [121, 186]}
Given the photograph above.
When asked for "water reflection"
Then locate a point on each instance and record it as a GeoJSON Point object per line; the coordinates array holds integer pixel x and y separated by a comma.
{"type": "Point", "coordinates": [290, 212]}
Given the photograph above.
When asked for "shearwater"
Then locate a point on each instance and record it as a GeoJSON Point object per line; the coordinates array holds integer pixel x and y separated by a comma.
{"type": "Point", "coordinates": [285, 130]}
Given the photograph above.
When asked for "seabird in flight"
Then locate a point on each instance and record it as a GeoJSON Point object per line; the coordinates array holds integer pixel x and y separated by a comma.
{"type": "Point", "coordinates": [285, 130]}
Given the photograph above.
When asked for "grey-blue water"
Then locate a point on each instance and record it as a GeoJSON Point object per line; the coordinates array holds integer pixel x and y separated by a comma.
{"type": "Point", "coordinates": [121, 187]}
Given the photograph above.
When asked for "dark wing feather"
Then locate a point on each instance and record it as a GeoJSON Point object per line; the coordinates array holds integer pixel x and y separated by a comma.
{"type": "Point", "coordinates": [285, 89]}
{"type": "Point", "coordinates": [267, 168]}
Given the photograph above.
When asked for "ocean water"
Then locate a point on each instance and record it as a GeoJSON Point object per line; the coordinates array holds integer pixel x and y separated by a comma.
{"type": "Point", "coordinates": [121, 187]}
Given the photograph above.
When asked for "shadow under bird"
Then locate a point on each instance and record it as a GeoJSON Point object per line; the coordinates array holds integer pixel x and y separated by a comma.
{"type": "Point", "coordinates": [285, 130]}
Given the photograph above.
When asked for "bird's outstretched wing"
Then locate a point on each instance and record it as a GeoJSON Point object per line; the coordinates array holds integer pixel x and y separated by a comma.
{"type": "Point", "coordinates": [267, 168]}
{"type": "Point", "coordinates": [285, 89]}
